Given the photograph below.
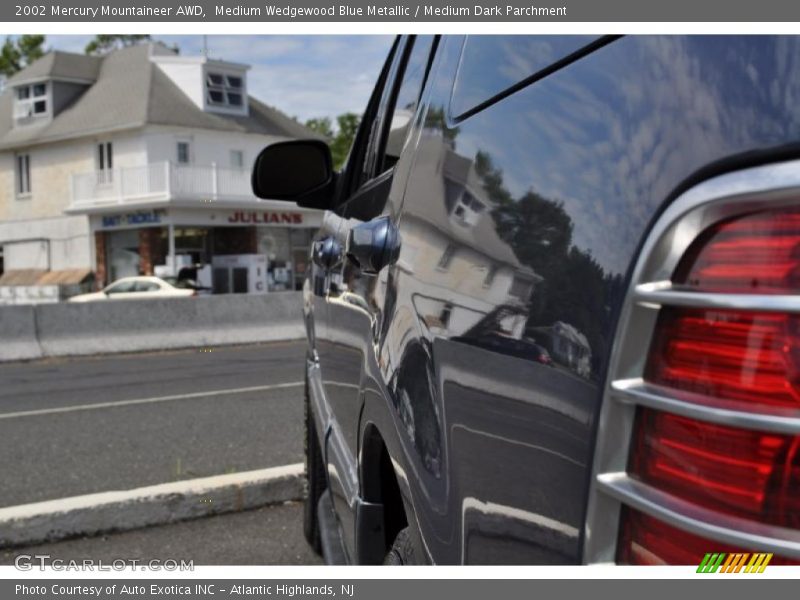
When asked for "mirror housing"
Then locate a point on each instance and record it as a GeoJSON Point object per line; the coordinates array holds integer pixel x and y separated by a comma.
{"type": "Point", "coordinates": [373, 245]}
{"type": "Point", "coordinates": [298, 171]}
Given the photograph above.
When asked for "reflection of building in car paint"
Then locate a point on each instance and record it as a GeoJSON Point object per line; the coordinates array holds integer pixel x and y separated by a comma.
{"type": "Point", "coordinates": [475, 288]}
{"type": "Point", "coordinates": [478, 269]}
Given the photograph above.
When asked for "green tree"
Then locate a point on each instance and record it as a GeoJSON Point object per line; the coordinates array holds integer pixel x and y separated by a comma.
{"type": "Point", "coordinates": [339, 140]}
{"type": "Point", "coordinates": [17, 54]}
{"type": "Point", "coordinates": [346, 128]}
{"type": "Point", "coordinates": [322, 126]}
{"type": "Point", "coordinates": [103, 44]}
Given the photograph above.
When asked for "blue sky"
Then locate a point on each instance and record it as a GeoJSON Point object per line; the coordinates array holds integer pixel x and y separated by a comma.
{"type": "Point", "coordinates": [303, 75]}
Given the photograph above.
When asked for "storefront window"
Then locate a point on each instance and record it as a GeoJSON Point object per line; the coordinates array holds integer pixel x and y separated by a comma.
{"type": "Point", "coordinates": [274, 243]}
{"type": "Point", "coordinates": [301, 244]}
{"type": "Point", "coordinates": [123, 253]}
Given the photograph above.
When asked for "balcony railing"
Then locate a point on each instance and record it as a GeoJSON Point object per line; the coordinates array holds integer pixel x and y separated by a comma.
{"type": "Point", "coordinates": [160, 182]}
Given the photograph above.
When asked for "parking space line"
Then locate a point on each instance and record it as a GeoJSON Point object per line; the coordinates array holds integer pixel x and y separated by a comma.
{"type": "Point", "coordinates": [190, 396]}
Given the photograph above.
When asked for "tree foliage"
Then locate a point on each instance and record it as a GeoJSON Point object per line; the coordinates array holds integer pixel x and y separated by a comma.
{"type": "Point", "coordinates": [341, 139]}
{"type": "Point", "coordinates": [322, 126]}
{"type": "Point", "coordinates": [17, 54]}
{"type": "Point", "coordinates": [575, 288]}
{"type": "Point", "coordinates": [104, 43]}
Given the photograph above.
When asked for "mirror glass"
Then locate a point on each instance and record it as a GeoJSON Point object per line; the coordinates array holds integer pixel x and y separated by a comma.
{"type": "Point", "coordinates": [291, 170]}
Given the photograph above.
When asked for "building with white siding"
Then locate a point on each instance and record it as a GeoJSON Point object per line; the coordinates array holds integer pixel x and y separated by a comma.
{"type": "Point", "coordinates": [111, 166]}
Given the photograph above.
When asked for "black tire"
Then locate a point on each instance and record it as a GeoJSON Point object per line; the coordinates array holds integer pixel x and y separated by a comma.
{"type": "Point", "coordinates": [402, 551]}
{"type": "Point", "coordinates": [315, 479]}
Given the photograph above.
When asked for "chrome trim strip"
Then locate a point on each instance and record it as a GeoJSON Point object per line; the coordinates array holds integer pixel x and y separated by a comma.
{"type": "Point", "coordinates": [658, 294]}
{"type": "Point", "coordinates": [636, 391]}
{"type": "Point", "coordinates": [698, 520]}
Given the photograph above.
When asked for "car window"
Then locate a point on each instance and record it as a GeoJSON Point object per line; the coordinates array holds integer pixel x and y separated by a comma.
{"type": "Point", "coordinates": [406, 99]}
{"type": "Point", "coordinates": [372, 154]}
{"type": "Point", "coordinates": [147, 286]}
{"type": "Point", "coordinates": [492, 64]}
{"type": "Point", "coordinates": [355, 171]}
{"type": "Point", "coordinates": [121, 288]}
{"type": "Point", "coordinates": [404, 80]}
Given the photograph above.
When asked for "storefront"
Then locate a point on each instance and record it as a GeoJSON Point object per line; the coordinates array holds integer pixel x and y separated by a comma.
{"type": "Point", "coordinates": [226, 250]}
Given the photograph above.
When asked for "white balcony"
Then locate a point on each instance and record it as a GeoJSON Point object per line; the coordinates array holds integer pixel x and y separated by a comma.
{"type": "Point", "coordinates": [159, 184]}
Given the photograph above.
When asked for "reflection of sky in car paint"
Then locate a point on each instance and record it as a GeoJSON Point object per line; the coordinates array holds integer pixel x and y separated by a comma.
{"type": "Point", "coordinates": [491, 64]}
{"type": "Point", "coordinates": [611, 148]}
{"type": "Point", "coordinates": [303, 75]}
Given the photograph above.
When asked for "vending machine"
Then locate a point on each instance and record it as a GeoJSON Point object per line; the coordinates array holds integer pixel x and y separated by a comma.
{"type": "Point", "coordinates": [239, 274]}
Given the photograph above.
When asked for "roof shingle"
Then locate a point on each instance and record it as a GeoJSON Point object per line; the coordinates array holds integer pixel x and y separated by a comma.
{"type": "Point", "coordinates": [130, 91]}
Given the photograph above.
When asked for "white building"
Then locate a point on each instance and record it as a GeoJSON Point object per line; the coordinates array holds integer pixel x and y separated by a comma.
{"type": "Point", "coordinates": [113, 165]}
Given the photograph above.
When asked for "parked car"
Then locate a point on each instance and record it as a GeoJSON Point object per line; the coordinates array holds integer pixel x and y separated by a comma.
{"type": "Point", "coordinates": [135, 288]}
{"type": "Point", "coordinates": [636, 198]}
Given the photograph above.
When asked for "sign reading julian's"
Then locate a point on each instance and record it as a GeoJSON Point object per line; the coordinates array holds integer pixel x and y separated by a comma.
{"type": "Point", "coordinates": [287, 218]}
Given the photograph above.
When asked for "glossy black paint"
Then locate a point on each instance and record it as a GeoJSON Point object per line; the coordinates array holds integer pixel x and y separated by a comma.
{"type": "Point", "coordinates": [470, 370]}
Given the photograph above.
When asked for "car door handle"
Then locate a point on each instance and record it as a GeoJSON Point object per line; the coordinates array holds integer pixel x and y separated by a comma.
{"type": "Point", "coordinates": [327, 253]}
{"type": "Point", "coordinates": [373, 245]}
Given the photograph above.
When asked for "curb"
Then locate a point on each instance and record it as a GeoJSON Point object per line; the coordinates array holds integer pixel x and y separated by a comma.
{"type": "Point", "coordinates": [92, 514]}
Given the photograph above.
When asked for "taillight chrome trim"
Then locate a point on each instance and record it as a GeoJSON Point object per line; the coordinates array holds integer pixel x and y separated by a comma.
{"type": "Point", "coordinates": [730, 195]}
{"type": "Point", "coordinates": [637, 392]}
{"type": "Point", "coordinates": [663, 294]}
{"type": "Point", "coordinates": [698, 520]}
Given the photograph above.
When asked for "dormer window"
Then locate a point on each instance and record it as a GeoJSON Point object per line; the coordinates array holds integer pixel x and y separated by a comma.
{"type": "Point", "coordinates": [224, 90]}
{"type": "Point", "coordinates": [31, 101]}
{"type": "Point", "coordinates": [467, 209]}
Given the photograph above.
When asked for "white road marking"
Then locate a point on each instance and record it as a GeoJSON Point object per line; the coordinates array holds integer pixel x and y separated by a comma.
{"type": "Point", "coordinates": [98, 405]}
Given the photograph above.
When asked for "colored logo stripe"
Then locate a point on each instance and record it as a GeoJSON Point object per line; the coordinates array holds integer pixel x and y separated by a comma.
{"type": "Point", "coordinates": [711, 562]}
{"type": "Point", "coordinates": [735, 562]}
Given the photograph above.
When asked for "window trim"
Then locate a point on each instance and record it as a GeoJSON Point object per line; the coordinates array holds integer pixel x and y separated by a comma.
{"type": "Point", "coordinates": [30, 100]}
{"type": "Point", "coordinates": [364, 165]}
{"type": "Point", "coordinates": [104, 160]}
{"type": "Point", "coordinates": [491, 275]}
{"type": "Point", "coordinates": [468, 210]}
{"type": "Point", "coordinates": [188, 144]}
{"type": "Point", "coordinates": [446, 259]}
{"type": "Point", "coordinates": [22, 177]}
{"type": "Point", "coordinates": [226, 89]}
{"type": "Point", "coordinates": [241, 156]}
{"type": "Point", "coordinates": [352, 170]}
{"type": "Point", "coordinates": [399, 77]}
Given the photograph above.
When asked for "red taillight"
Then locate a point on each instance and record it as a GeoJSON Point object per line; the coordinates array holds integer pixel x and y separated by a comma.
{"type": "Point", "coordinates": [757, 253]}
{"type": "Point", "coordinates": [746, 473]}
{"type": "Point", "coordinates": [748, 358]}
{"type": "Point", "coordinates": [740, 360]}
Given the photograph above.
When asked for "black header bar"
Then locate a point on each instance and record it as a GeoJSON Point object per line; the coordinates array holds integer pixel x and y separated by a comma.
{"type": "Point", "coordinates": [548, 11]}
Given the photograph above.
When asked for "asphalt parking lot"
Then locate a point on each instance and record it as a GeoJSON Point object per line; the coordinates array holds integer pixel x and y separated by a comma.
{"type": "Point", "coordinates": [70, 427]}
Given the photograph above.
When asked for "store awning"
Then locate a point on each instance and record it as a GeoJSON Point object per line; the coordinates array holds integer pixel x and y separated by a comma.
{"type": "Point", "coordinates": [40, 277]}
{"type": "Point", "coordinates": [65, 277]}
{"type": "Point", "coordinates": [21, 277]}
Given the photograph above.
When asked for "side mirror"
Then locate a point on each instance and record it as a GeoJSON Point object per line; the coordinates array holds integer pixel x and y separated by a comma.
{"type": "Point", "coordinates": [296, 170]}
{"type": "Point", "coordinates": [373, 245]}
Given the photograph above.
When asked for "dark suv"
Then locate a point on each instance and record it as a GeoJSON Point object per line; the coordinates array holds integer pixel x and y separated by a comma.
{"type": "Point", "coordinates": [553, 313]}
